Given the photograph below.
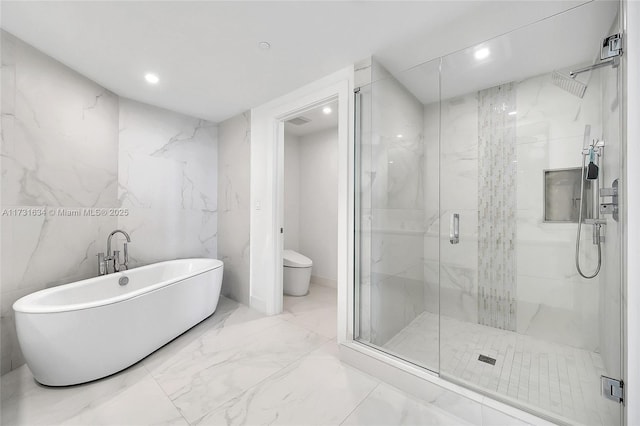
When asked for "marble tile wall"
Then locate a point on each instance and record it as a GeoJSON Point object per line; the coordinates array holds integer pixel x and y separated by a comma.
{"type": "Point", "coordinates": [167, 180]}
{"type": "Point", "coordinates": [455, 181]}
{"type": "Point", "coordinates": [234, 139]}
{"type": "Point", "coordinates": [393, 208]}
{"type": "Point", "coordinates": [59, 152]}
{"type": "Point", "coordinates": [60, 155]}
{"type": "Point", "coordinates": [432, 207]}
{"type": "Point", "coordinates": [554, 303]}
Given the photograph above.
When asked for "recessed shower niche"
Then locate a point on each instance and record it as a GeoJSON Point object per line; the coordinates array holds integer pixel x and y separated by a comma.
{"type": "Point", "coordinates": [562, 195]}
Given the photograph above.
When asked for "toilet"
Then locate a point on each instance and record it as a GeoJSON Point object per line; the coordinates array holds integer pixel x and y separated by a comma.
{"type": "Point", "coordinates": [297, 273]}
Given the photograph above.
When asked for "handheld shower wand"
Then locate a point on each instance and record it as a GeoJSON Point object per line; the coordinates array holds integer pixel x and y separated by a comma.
{"type": "Point", "coordinates": [592, 168]}
{"type": "Point", "coordinates": [589, 172]}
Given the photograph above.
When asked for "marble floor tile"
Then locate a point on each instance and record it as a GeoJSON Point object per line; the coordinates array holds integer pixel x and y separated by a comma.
{"type": "Point", "coordinates": [316, 311]}
{"type": "Point", "coordinates": [129, 397]}
{"type": "Point", "coordinates": [496, 418]}
{"type": "Point", "coordinates": [386, 405]}
{"type": "Point", "coordinates": [141, 404]}
{"type": "Point", "coordinates": [321, 321]}
{"type": "Point", "coordinates": [329, 349]}
{"type": "Point", "coordinates": [227, 312]}
{"type": "Point", "coordinates": [319, 297]}
{"type": "Point", "coordinates": [237, 367]}
{"type": "Point", "coordinates": [318, 390]}
{"type": "Point", "coordinates": [222, 363]}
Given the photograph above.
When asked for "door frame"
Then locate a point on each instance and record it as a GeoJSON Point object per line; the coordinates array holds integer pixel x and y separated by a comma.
{"type": "Point", "coordinates": [267, 191]}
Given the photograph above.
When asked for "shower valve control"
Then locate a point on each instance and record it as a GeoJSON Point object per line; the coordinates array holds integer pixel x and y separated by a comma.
{"type": "Point", "coordinates": [608, 192]}
{"type": "Point", "coordinates": [612, 207]}
{"type": "Point", "coordinates": [608, 208]}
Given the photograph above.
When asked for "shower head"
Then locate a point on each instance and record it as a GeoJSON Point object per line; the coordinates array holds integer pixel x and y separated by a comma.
{"type": "Point", "coordinates": [569, 84]}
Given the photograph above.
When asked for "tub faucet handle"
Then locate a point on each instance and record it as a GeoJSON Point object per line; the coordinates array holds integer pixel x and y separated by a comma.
{"type": "Point", "coordinates": [116, 260]}
{"type": "Point", "coordinates": [125, 264]}
{"type": "Point", "coordinates": [102, 264]}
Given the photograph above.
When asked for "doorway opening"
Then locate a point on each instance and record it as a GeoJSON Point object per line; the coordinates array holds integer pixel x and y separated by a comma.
{"type": "Point", "coordinates": [268, 227]}
{"type": "Point", "coordinates": [310, 215]}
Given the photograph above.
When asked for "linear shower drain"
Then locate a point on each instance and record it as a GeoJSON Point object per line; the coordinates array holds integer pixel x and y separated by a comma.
{"type": "Point", "coordinates": [487, 359]}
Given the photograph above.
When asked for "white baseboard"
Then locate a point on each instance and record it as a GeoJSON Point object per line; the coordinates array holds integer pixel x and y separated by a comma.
{"type": "Point", "coordinates": [324, 281]}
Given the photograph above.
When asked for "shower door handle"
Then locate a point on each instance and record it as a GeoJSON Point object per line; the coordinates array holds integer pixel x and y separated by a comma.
{"type": "Point", "coordinates": [454, 229]}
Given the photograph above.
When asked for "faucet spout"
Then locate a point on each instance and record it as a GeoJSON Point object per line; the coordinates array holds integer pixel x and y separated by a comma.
{"type": "Point", "coordinates": [111, 236]}
{"type": "Point", "coordinates": [115, 256]}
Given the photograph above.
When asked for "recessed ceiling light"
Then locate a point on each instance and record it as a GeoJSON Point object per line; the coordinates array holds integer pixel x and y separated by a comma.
{"type": "Point", "coordinates": [326, 110]}
{"type": "Point", "coordinates": [482, 53]}
{"type": "Point", "coordinates": [152, 78]}
{"type": "Point", "coordinates": [264, 45]}
{"type": "Point", "coordinates": [399, 136]}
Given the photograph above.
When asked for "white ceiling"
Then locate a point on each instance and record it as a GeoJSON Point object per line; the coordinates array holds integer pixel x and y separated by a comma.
{"type": "Point", "coordinates": [318, 120]}
{"type": "Point", "coordinates": [206, 52]}
{"type": "Point", "coordinates": [561, 43]}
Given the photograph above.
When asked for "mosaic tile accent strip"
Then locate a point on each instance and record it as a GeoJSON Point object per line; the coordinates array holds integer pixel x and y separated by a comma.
{"type": "Point", "coordinates": [497, 207]}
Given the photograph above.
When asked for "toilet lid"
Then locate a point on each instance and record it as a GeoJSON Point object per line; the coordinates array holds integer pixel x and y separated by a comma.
{"type": "Point", "coordinates": [295, 259]}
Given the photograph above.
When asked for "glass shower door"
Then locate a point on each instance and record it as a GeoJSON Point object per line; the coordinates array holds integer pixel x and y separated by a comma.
{"type": "Point", "coordinates": [397, 217]}
{"type": "Point", "coordinates": [517, 321]}
{"type": "Point", "coordinates": [471, 182]}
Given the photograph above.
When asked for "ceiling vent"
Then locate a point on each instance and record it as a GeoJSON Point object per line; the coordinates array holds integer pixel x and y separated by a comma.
{"type": "Point", "coordinates": [299, 121]}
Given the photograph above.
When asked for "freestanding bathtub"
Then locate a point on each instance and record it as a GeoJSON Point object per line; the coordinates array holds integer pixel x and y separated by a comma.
{"type": "Point", "coordinates": [89, 329]}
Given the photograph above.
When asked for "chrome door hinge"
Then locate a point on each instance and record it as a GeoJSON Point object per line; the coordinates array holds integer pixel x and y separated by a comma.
{"type": "Point", "coordinates": [611, 47]}
{"type": "Point", "coordinates": [612, 389]}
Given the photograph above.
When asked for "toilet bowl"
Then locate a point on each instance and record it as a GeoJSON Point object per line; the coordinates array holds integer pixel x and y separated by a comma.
{"type": "Point", "coordinates": [297, 273]}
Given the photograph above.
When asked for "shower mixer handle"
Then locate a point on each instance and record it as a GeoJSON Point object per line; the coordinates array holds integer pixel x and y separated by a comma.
{"type": "Point", "coordinates": [608, 192]}
{"type": "Point", "coordinates": [116, 260]}
{"type": "Point", "coordinates": [612, 207]}
{"type": "Point", "coordinates": [102, 264]}
{"type": "Point", "coordinates": [608, 208]}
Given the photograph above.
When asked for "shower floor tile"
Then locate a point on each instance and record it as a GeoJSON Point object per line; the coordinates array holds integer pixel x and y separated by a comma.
{"type": "Point", "coordinates": [561, 379]}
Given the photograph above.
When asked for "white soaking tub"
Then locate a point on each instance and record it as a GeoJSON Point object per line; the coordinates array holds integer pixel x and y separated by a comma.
{"type": "Point", "coordinates": [89, 329]}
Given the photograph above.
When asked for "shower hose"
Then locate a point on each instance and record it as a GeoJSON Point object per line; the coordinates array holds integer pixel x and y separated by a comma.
{"type": "Point", "coordinates": [596, 229]}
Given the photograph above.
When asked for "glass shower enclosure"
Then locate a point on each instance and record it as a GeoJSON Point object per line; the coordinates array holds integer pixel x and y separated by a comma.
{"type": "Point", "coordinates": [469, 189]}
